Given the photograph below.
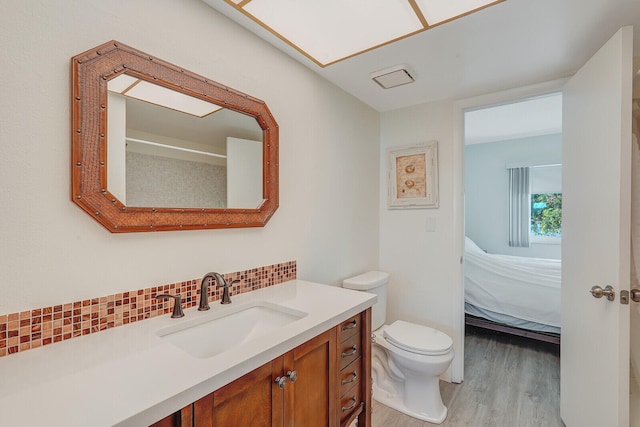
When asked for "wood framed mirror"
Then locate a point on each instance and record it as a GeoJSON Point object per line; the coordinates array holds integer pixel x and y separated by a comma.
{"type": "Point", "coordinates": [103, 103]}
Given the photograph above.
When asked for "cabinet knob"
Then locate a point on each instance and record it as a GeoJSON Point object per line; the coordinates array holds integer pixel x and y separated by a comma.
{"type": "Point", "coordinates": [292, 375]}
{"type": "Point", "coordinates": [281, 381]}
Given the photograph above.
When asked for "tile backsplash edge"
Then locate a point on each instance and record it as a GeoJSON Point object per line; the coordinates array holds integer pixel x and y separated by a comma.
{"type": "Point", "coordinates": [43, 326]}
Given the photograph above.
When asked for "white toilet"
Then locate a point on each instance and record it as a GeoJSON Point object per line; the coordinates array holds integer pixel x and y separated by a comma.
{"type": "Point", "coordinates": [408, 359]}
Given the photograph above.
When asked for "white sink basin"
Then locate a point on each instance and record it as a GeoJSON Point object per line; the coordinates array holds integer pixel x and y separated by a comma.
{"type": "Point", "coordinates": [207, 336]}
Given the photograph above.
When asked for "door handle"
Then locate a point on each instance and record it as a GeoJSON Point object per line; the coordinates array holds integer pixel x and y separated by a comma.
{"type": "Point", "coordinates": [608, 292]}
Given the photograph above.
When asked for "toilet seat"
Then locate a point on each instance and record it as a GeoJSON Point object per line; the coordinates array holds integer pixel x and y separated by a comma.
{"type": "Point", "coordinates": [418, 339]}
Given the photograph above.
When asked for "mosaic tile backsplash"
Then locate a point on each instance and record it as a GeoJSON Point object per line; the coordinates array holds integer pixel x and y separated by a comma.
{"type": "Point", "coordinates": [43, 326]}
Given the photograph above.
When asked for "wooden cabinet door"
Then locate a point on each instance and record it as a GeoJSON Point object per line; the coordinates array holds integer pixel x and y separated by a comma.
{"type": "Point", "coordinates": [253, 400]}
{"type": "Point", "coordinates": [310, 399]}
{"type": "Point", "coordinates": [181, 418]}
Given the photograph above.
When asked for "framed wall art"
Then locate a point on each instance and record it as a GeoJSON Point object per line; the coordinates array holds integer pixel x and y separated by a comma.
{"type": "Point", "coordinates": [413, 176]}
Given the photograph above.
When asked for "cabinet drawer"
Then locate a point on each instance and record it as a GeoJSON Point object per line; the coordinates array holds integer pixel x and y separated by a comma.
{"type": "Point", "coordinates": [349, 328]}
{"type": "Point", "coordinates": [349, 376]}
{"type": "Point", "coordinates": [349, 350]}
{"type": "Point", "coordinates": [350, 403]}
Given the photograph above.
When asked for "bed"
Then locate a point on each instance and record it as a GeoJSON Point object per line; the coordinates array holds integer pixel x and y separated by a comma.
{"type": "Point", "coordinates": [517, 295]}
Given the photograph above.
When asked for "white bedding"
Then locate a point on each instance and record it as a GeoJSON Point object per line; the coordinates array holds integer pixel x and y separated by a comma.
{"type": "Point", "coordinates": [524, 288]}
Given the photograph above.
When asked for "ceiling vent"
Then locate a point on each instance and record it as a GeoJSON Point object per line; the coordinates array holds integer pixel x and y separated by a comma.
{"type": "Point", "coordinates": [392, 77]}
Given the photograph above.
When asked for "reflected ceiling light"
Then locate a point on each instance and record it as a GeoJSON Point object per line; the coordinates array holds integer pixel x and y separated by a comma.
{"type": "Point", "coordinates": [148, 92]}
{"type": "Point", "coordinates": [392, 77]}
{"type": "Point", "coordinates": [121, 83]}
{"type": "Point", "coordinates": [329, 31]}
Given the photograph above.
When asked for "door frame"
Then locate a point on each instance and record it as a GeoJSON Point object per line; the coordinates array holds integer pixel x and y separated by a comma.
{"type": "Point", "coordinates": [460, 106]}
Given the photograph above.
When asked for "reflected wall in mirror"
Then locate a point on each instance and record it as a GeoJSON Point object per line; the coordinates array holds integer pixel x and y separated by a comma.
{"type": "Point", "coordinates": [167, 149]}
{"type": "Point", "coordinates": [183, 152]}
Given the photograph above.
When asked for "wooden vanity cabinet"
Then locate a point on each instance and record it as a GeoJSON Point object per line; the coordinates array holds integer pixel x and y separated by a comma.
{"type": "Point", "coordinates": [324, 386]}
{"type": "Point", "coordinates": [181, 418]}
{"type": "Point", "coordinates": [308, 401]}
{"type": "Point", "coordinates": [354, 370]}
{"type": "Point", "coordinates": [252, 400]}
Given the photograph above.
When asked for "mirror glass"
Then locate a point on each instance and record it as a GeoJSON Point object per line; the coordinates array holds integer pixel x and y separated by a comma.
{"type": "Point", "coordinates": [167, 149]}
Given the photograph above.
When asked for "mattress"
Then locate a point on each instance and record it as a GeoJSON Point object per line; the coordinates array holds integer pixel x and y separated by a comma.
{"type": "Point", "coordinates": [505, 319]}
{"type": "Point", "coordinates": [513, 290]}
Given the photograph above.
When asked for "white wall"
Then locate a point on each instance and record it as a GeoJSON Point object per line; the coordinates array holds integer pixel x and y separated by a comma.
{"type": "Point", "coordinates": [52, 252]}
{"type": "Point", "coordinates": [425, 285]}
{"type": "Point", "coordinates": [174, 183]}
{"type": "Point", "coordinates": [486, 182]}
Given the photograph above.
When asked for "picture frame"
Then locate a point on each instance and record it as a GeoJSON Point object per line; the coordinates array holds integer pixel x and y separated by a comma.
{"type": "Point", "coordinates": [413, 176]}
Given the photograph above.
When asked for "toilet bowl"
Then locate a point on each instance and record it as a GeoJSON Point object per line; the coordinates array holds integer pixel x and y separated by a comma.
{"type": "Point", "coordinates": [407, 379]}
{"type": "Point", "coordinates": [407, 359]}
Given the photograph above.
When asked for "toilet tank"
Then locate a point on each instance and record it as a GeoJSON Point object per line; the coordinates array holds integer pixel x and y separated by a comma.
{"type": "Point", "coordinates": [374, 282]}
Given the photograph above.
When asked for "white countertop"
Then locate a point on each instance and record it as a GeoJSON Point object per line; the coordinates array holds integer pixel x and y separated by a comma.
{"type": "Point", "coordinates": [129, 376]}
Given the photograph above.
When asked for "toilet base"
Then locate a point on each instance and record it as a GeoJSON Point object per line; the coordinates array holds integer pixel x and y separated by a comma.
{"type": "Point", "coordinates": [396, 401]}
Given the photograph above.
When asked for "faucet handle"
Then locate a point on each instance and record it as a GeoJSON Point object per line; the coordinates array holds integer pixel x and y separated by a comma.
{"type": "Point", "coordinates": [226, 298]}
{"type": "Point", "coordinates": [177, 304]}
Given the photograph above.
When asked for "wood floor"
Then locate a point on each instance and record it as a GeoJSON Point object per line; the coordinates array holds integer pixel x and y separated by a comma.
{"type": "Point", "coordinates": [509, 382]}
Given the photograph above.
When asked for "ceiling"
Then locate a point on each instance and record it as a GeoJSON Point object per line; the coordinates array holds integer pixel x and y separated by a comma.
{"type": "Point", "coordinates": [510, 44]}
{"type": "Point", "coordinates": [537, 116]}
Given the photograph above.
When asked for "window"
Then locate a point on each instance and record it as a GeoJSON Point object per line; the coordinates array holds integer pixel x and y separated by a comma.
{"type": "Point", "coordinates": [546, 214]}
{"type": "Point", "coordinates": [546, 204]}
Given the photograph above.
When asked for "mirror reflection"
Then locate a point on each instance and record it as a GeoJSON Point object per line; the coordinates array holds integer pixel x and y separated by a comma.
{"type": "Point", "coordinates": [167, 149]}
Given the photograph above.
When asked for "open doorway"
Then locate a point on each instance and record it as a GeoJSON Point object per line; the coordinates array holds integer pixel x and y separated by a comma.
{"type": "Point", "coordinates": [512, 155]}
{"type": "Point", "coordinates": [513, 216]}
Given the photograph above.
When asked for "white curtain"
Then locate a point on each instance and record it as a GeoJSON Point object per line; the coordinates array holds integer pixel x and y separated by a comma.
{"type": "Point", "coordinates": [519, 207]}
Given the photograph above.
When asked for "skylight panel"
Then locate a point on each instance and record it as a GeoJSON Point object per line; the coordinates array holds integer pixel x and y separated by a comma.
{"type": "Point", "coordinates": [330, 30]}
{"type": "Point", "coordinates": [437, 11]}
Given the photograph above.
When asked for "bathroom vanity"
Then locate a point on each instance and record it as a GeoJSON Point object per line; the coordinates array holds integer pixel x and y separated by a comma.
{"type": "Point", "coordinates": [297, 353]}
{"type": "Point", "coordinates": [318, 383]}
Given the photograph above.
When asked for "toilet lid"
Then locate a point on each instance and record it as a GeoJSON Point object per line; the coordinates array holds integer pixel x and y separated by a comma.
{"type": "Point", "coordinates": [417, 338]}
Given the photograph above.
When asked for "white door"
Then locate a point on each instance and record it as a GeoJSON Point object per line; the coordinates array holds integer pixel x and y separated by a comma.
{"type": "Point", "coordinates": [595, 237]}
{"type": "Point", "coordinates": [634, 398]}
